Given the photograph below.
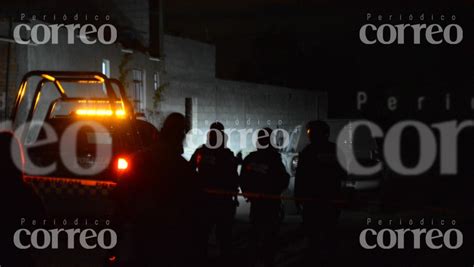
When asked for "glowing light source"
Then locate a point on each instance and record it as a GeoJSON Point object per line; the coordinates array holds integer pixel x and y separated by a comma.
{"type": "Point", "coordinates": [93, 101]}
{"type": "Point", "coordinates": [60, 87]}
{"type": "Point", "coordinates": [100, 112]}
{"type": "Point", "coordinates": [89, 81]}
{"type": "Point", "coordinates": [122, 164]}
{"type": "Point", "coordinates": [120, 113]}
{"type": "Point", "coordinates": [94, 112]}
{"type": "Point", "coordinates": [48, 77]}
{"type": "Point", "coordinates": [22, 90]}
{"type": "Point", "coordinates": [100, 79]}
{"type": "Point", "coordinates": [37, 100]}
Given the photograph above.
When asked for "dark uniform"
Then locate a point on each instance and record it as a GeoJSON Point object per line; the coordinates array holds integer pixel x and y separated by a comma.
{"type": "Point", "coordinates": [163, 201]}
{"type": "Point", "coordinates": [318, 177]}
{"type": "Point", "coordinates": [17, 200]}
{"type": "Point", "coordinates": [217, 171]}
{"type": "Point", "coordinates": [264, 173]}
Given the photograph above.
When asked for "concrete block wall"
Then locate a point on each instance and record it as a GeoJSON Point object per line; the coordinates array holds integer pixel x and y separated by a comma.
{"type": "Point", "coordinates": [190, 72]}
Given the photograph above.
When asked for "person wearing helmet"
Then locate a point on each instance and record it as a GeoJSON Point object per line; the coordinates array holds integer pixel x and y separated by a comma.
{"type": "Point", "coordinates": [318, 182]}
{"type": "Point", "coordinates": [216, 166]}
{"type": "Point", "coordinates": [263, 179]}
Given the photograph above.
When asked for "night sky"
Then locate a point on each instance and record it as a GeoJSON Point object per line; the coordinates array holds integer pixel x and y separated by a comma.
{"type": "Point", "coordinates": [315, 45]}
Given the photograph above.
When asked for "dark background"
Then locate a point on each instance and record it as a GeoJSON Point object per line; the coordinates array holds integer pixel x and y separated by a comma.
{"type": "Point", "coordinates": [315, 45]}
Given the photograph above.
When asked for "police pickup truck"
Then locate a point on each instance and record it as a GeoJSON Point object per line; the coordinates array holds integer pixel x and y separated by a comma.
{"type": "Point", "coordinates": [78, 132]}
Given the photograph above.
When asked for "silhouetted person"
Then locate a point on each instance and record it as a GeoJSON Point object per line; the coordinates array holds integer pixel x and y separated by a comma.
{"type": "Point", "coordinates": [148, 133]}
{"type": "Point", "coordinates": [264, 173]}
{"type": "Point", "coordinates": [217, 169]}
{"type": "Point", "coordinates": [164, 201]}
{"type": "Point", "coordinates": [318, 177]}
{"type": "Point", "coordinates": [17, 200]}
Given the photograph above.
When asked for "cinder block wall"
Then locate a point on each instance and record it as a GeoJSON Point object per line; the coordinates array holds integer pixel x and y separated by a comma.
{"type": "Point", "coordinates": [190, 72]}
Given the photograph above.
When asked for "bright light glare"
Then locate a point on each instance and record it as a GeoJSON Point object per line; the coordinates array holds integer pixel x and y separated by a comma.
{"type": "Point", "coordinates": [49, 77]}
{"type": "Point", "coordinates": [99, 112]}
{"type": "Point", "coordinates": [100, 79]}
{"type": "Point", "coordinates": [120, 113]}
{"type": "Point", "coordinates": [122, 164]}
{"type": "Point", "coordinates": [94, 112]}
